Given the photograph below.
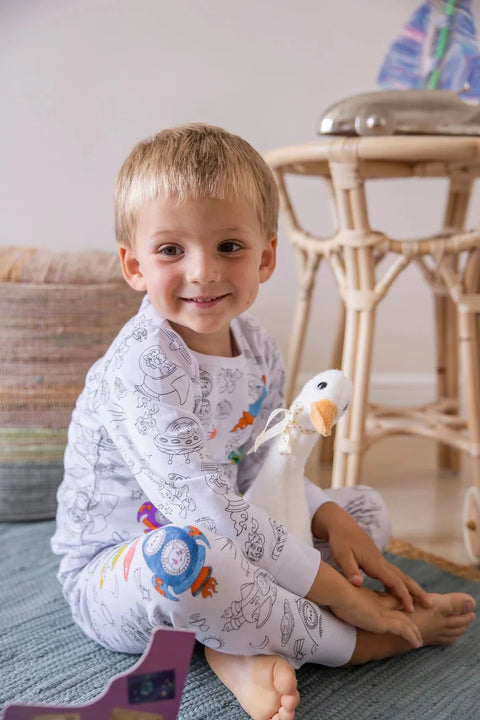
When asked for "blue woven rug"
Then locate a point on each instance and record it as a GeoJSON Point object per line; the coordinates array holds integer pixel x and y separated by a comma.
{"type": "Point", "coordinates": [45, 658]}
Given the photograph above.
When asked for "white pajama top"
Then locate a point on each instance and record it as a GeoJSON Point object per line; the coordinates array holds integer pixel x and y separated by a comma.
{"type": "Point", "coordinates": [160, 434]}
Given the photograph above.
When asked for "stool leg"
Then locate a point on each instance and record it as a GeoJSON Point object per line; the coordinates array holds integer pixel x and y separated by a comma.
{"type": "Point", "coordinates": [475, 288]}
{"type": "Point", "coordinates": [469, 353]}
{"type": "Point", "coordinates": [350, 434]}
{"type": "Point", "coordinates": [327, 444]}
{"type": "Point", "coordinates": [469, 341]}
{"type": "Point", "coordinates": [361, 384]}
{"type": "Point", "coordinates": [447, 369]}
{"type": "Point", "coordinates": [359, 327]}
{"type": "Point", "coordinates": [342, 431]}
{"type": "Point", "coordinates": [460, 188]}
{"type": "Point", "coordinates": [308, 264]}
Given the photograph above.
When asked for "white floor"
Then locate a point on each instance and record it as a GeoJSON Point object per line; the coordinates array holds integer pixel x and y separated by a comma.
{"type": "Point", "coordinates": [425, 504]}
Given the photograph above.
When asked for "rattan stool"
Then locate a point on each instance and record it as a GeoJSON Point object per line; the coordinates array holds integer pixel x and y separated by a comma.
{"type": "Point", "coordinates": [450, 262]}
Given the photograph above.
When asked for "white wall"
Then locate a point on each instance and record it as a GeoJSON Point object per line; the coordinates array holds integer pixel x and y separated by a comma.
{"type": "Point", "coordinates": [83, 80]}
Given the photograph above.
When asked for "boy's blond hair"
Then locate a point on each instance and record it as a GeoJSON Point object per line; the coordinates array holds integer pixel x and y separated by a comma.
{"type": "Point", "coordinates": [189, 162]}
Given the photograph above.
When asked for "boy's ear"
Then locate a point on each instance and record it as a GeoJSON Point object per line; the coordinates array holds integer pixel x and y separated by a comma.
{"type": "Point", "coordinates": [269, 259]}
{"type": "Point", "coordinates": [131, 269]}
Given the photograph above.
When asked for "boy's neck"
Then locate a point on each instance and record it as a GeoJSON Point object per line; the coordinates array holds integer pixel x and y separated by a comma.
{"type": "Point", "coordinates": [221, 345]}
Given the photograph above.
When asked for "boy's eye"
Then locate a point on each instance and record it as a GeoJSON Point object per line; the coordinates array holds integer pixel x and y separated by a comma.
{"type": "Point", "coordinates": [170, 250]}
{"type": "Point", "coordinates": [229, 246]}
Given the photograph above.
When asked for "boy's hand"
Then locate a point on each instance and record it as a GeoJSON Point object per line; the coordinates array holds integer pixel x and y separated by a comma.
{"type": "Point", "coordinates": [354, 550]}
{"type": "Point", "coordinates": [378, 613]}
{"type": "Point", "coordinates": [375, 612]}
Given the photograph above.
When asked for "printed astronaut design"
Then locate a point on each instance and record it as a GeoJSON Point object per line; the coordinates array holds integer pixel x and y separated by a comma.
{"type": "Point", "coordinates": [176, 558]}
{"type": "Point", "coordinates": [157, 369]}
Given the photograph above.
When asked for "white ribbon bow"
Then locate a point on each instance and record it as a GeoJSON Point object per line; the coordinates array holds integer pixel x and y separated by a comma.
{"type": "Point", "coordinates": [282, 428]}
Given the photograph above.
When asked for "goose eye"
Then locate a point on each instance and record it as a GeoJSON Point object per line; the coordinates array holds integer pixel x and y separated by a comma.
{"type": "Point", "coordinates": [346, 406]}
{"type": "Point", "coordinates": [321, 385]}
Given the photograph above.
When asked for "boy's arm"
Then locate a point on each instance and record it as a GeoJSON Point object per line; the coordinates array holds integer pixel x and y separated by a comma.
{"type": "Point", "coordinates": [354, 550]}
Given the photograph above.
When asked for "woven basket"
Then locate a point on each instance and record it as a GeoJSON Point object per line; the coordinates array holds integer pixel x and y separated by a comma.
{"type": "Point", "coordinates": [58, 314]}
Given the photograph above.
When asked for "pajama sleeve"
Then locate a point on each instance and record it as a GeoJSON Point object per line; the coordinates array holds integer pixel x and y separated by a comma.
{"type": "Point", "coordinates": [315, 496]}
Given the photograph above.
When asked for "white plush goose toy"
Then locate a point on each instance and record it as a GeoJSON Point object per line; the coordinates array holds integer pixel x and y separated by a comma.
{"type": "Point", "coordinates": [279, 486]}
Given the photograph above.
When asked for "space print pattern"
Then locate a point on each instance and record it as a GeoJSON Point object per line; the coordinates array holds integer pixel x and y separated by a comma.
{"type": "Point", "coordinates": [187, 578]}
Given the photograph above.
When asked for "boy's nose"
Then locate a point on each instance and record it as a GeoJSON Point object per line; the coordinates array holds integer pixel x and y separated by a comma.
{"type": "Point", "coordinates": [202, 268]}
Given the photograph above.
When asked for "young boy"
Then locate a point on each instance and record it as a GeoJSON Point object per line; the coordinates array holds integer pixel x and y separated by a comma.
{"type": "Point", "coordinates": [151, 522]}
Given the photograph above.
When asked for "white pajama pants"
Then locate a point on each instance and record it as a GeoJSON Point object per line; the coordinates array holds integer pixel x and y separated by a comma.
{"type": "Point", "coordinates": [190, 578]}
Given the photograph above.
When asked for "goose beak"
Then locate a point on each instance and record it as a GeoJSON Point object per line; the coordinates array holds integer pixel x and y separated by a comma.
{"type": "Point", "coordinates": [323, 414]}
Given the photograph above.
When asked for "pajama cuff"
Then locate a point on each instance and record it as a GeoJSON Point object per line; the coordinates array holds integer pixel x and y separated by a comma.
{"type": "Point", "coordinates": [315, 497]}
{"type": "Point", "coordinates": [297, 566]}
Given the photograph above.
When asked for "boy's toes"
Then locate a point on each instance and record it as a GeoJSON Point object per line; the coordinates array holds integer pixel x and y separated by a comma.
{"type": "Point", "coordinates": [461, 604]}
{"type": "Point", "coordinates": [290, 702]}
{"type": "Point", "coordinates": [460, 621]}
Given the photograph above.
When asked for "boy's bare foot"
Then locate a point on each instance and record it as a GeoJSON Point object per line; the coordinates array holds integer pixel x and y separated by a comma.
{"type": "Point", "coordinates": [447, 619]}
{"type": "Point", "coordinates": [264, 685]}
{"type": "Point", "coordinates": [444, 622]}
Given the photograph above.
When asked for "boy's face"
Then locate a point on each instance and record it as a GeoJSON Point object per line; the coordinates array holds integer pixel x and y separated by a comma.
{"type": "Point", "coordinates": [201, 263]}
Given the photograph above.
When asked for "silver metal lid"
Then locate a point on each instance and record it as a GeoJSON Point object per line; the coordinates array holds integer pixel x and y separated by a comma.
{"type": "Point", "coordinates": [401, 112]}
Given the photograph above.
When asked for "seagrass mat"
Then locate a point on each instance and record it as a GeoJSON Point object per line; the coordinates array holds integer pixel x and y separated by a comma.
{"type": "Point", "coordinates": [406, 549]}
{"type": "Point", "coordinates": [45, 658]}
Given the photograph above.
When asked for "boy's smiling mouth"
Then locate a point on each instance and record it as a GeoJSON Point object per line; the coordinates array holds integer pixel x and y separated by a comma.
{"type": "Point", "coordinates": [208, 300]}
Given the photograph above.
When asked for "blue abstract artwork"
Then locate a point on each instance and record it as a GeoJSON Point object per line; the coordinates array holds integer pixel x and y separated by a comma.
{"type": "Point", "coordinates": [436, 49]}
